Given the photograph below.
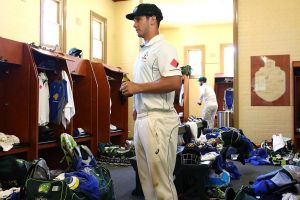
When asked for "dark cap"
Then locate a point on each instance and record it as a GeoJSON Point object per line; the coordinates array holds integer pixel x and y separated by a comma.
{"type": "Point", "coordinates": [146, 9]}
{"type": "Point", "coordinates": [202, 78]}
{"type": "Point", "coordinates": [75, 52]}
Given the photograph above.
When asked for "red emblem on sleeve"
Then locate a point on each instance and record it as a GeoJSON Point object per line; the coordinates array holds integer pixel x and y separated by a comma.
{"type": "Point", "coordinates": [174, 63]}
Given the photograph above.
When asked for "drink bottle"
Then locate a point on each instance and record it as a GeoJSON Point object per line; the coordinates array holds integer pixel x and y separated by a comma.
{"type": "Point", "coordinates": [125, 78]}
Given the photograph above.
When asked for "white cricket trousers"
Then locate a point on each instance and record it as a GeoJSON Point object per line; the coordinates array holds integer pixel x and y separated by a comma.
{"type": "Point", "coordinates": [155, 138]}
{"type": "Point", "coordinates": [209, 113]}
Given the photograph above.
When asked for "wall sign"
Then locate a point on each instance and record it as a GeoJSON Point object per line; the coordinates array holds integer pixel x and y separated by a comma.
{"type": "Point", "coordinates": [270, 80]}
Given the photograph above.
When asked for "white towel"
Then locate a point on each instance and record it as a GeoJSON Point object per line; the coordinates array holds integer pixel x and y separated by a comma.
{"type": "Point", "coordinates": [44, 108]}
{"type": "Point", "coordinates": [194, 128]}
{"type": "Point", "coordinates": [69, 110]}
{"type": "Point", "coordinates": [181, 95]}
{"type": "Point", "coordinates": [7, 141]}
{"type": "Point", "coordinates": [278, 142]}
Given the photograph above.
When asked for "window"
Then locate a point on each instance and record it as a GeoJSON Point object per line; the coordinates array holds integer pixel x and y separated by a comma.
{"type": "Point", "coordinates": [98, 38]}
{"type": "Point", "coordinates": [195, 57]}
{"type": "Point", "coordinates": [52, 21]}
{"type": "Point", "coordinates": [227, 59]}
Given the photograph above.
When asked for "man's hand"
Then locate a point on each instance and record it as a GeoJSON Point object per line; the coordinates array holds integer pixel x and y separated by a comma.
{"type": "Point", "coordinates": [128, 88]}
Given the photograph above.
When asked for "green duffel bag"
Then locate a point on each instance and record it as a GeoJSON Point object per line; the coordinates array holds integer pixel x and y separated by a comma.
{"type": "Point", "coordinates": [106, 186]}
{"type": "Point", "coordinates": [49, 189]}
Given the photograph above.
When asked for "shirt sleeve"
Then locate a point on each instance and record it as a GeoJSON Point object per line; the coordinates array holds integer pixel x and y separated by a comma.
{"type": "Point", "coordinates": [201, 94]}
{"type": "Point", "coordinates": [168, 62]}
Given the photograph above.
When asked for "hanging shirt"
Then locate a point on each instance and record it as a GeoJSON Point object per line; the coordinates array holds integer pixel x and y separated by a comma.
{"type": "Point", "coordinates": [43, 99]}
{"type": "Point", "coordinates": [57, 101]}
{"type": "Point", "coordinates": [181, 95]}
{"type": "Point", "coordinates": [69, 109]}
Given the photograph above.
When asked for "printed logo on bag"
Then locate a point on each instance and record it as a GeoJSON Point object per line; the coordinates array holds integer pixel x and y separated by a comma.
{"type": "Point", "coordinates": [44, 187]}
{"type": "Point", "coordinates": [55, 188]}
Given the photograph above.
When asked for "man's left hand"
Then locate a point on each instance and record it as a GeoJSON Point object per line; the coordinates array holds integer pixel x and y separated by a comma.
{"type": "Point", "coordinates": [128, 88]}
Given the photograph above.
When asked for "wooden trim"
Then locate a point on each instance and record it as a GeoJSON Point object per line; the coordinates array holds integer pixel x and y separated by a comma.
{"type": "Point", "coordinates": [296, 63]}
{"type": "Point", "coordinates": [103, 20]}
{"type": "Point", "coordinates": [195, 47]}
{"type": "Point", "coordinates": [235, 77]}
{"type": "Point", "coordinates": [222, 47]}
{"type": "Point", "coordinates": [62, 25]}
{"type": "Point", "coordinates": [186, 104]}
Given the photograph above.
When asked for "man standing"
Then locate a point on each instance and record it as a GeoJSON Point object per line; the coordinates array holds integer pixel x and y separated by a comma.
{"type": "Point", "coordinates": [156, 77]}
{"type": "Point", "coordinates": [208, 95]}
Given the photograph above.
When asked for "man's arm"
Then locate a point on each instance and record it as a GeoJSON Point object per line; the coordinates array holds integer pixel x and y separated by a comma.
{"type": "Point", "coordinates": [163, 85]}
{"type": "Point", "coordinates": [201, 96]}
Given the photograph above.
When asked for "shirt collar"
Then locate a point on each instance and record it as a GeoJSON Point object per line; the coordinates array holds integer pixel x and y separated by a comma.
{"type": "Point", "coordinates": [155, 39]}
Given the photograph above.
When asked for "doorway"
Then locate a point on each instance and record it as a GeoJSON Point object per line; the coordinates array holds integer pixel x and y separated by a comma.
{"type": "Point", "coordinates": [206, 23]}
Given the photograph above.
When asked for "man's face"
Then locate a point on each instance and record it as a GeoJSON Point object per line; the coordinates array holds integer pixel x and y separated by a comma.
{"type": "Point", "coordinates": [141, 25]}
{"type": "Point", "coordinates": [201, 83]}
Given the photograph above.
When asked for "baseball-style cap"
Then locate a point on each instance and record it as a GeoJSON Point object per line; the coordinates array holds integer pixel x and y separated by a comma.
{"type": "Point", "coordinates": [145, 9]}
{"type": "Point", "coordinates": [202, 78]}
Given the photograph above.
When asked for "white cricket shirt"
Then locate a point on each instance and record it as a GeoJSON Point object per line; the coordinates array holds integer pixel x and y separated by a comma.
{"type": "Point", "coordinates": [156, 59]}
{"type": "Point", "coordinates": [43, 99]}
{"type": "Point", "coordinates": [208, 95]}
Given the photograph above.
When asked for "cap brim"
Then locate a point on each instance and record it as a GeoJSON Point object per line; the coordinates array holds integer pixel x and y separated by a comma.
{"type": "Point", "coordinates": [130, 16]}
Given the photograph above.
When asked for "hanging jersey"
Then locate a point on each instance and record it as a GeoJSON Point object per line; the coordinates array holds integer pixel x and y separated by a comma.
{"type": "Point", "coordinates": [57, 101]}
{"type": "Point", "coordinates": [181, 95]}
{"type": "Point", "coordinates": [228, 98]}
{"type": "Point", "coordinates": [69, 108]}
{"type": "Point", "coordinates": [43, 99]}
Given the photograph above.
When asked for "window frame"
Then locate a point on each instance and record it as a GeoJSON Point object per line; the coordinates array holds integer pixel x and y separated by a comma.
{"type": "Point", "coordinates": [61, 19]}
{"type": "Point", "coordinates": [186, 58]}
{"type": "Point", "coordinates": [222, 56]}
{"type": "Point", "coordinates": [103, 21]}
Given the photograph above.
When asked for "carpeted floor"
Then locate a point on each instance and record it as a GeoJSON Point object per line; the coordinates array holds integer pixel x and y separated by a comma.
{"type": "Point", "coordinates": [124, 178]}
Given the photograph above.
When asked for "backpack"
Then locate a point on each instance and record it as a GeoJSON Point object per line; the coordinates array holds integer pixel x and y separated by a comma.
{"type": "Point", "coordinates": [38, 185]}
{"type": "Point", "coordinates": [82, 159]}
{"type": "Point", "coordinates": [37, 170]}
{"type": "Point", "coordinates": [12, 171]}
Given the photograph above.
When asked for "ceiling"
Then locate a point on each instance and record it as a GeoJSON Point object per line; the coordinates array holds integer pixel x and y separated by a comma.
{"type": "Point", "coordinates": [194, 12]}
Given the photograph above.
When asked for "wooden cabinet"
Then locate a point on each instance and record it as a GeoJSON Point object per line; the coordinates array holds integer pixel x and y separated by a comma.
{"type": "Point", "coordinates": [18, 115]}
{"type": "Point", "coordinates": [113, 107]}
{"type": "Point", "coordinates": [103, 102]}
{"type": "Point", "coordinates": [84, 88]}
{"type": "Point", "coordinates": [85, 94]}
{"type": "Point", "coordinates": [296, 75]}
{"type": "Point", "coordinates": [185, 108]}
{"type": "Point", "coordinates": [93, 86]}
{"type": "Point", "coordinates": [119, 106]}
{"type": "Point", "coordinates": [20, 65]}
